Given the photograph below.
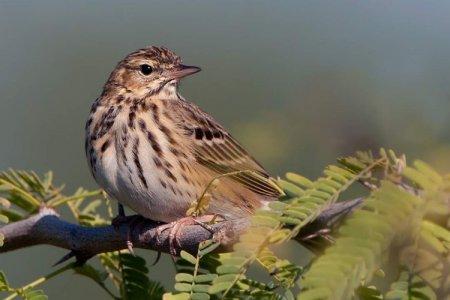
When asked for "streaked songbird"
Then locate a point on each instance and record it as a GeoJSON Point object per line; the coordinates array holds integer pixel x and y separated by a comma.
{"type": "Point", "coordinates": [155, 151]}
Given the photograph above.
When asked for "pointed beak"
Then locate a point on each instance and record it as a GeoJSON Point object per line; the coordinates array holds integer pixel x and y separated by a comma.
{"type": "Point", "coordinates": [183, 71]}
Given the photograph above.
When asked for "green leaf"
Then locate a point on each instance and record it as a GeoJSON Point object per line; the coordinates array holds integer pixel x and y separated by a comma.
{"type": "Point", "coordinates": [4, 285]}
{"type": "Point", "coordinates": [225, 278]}
{"type": "Point", "coordinates": [200, 296]}
{"type": "Point", "coordinates": [219, 287]}
{"type": "Point", "coordinates": [183, 287]}
{"type": "Point", "coordinates": [13, 215]}
{"type": "Point", "coordinates": [34, 295]}
{"type": "Point", "coordinates": [420, 179]}
{"type": "Point", "coordinates": [156, 290]}
{"type": "Point", "coordinates": [92, 206]}
{"type": "Point", "coordinates": [134, 262]}
{"type": "Point", "coordinates": [205, 250]}
{"type": "Point", "coordinates": [428, 171]}
{"type": "Point", "coordinates": [200, 288]}
{"type": "Point", "coordinates": [188, 257]}
{"type": "Point", "coordinates": [300, 180]}
{"type": "Point", "coordinates": [4, 219]}
{"type": "Point", "coordinates": [289, 188]}
{"type": "Point", "coordinates": [47, 181]}
{"type": "Point", "coordinates": [135, 283]}
{"type": "Point", "coordinates": [171, 296]}
{"type": "Point", "coordinates": [205, 278]}
{"type": "Point", "coordinates": [184, 277]}
{"type": "Point", "coordinates": [228, 269]}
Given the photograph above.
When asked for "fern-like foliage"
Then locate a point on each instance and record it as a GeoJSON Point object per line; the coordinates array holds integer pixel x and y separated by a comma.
{"type": "Point", "coordinates": [135, 281]}
{"type": "Point", "coordinates": [127, 272]}
{"type": "Point", "coordinates": [22, 193]}
{"type": "Point", "coordinates": [304, 201]}
{"type": "Point", "coordinates": [193, 279]}
{"type": "Point", "coordinates": [361, 245]}
{"type": "Point", "coordinates": [284, 272]}
{"type": "Point", "coordinates": [410, 287]}
{"type": "Point", "coordinates": [393, 217]}
{"type": "Point", "coordinates": [29, 291]}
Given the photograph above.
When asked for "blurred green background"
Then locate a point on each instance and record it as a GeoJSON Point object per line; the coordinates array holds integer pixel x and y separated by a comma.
{"type": "Point", "coordinates": [297, 82]}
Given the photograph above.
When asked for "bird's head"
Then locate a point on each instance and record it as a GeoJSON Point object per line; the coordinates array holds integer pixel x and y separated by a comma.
{"type": "Point", "coordinates": [150, 71]}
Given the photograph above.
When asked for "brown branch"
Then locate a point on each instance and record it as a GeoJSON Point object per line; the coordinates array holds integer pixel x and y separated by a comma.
{"type": "Point", "coordinates": [84, 242]}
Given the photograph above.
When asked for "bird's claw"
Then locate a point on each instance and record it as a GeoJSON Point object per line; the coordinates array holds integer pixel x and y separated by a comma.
{"type": "Point", "coordinates": [174, 233]}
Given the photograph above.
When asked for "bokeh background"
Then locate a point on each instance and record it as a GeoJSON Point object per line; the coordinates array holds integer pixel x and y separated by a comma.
{"type": "Point", "coordinates": [299, 83]}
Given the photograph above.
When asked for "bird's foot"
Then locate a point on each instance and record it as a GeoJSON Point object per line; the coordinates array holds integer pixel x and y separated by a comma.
{"type": "Point", "coordinates": [175, 229]}
{"type": "Point", "coordinates": [130, 222]}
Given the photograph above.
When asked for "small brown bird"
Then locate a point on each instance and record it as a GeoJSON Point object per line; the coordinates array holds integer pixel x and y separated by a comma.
{"type": "Point", "coordinates": [156, 152]}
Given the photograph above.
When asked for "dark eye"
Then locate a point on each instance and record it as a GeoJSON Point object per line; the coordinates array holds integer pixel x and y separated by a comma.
{"type": "Point", "coordinates": [146, 69]}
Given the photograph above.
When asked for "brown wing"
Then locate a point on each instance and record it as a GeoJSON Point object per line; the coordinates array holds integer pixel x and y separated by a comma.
{"type": "Point", "coordinates": [214, 148]}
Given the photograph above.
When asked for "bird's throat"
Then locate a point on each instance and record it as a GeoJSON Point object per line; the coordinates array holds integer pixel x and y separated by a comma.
{"type": "Point", "coordinates": [169, 91]}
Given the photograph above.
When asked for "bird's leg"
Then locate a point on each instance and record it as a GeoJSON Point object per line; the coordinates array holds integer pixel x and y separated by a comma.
{"type": "Point", "coordinates": [122, 219]}
{"type": "Point", "coordinates": [120, 210]}
{"type": "Point", "coordinates": [175, 227]}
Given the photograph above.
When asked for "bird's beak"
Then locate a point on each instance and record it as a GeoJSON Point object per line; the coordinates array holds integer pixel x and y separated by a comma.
{"type": "Point", "coordinates": [183, 71]}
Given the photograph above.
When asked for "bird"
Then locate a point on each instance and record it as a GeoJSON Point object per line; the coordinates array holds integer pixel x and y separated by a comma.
{"type": "Point", "coordinates": [156, 152]}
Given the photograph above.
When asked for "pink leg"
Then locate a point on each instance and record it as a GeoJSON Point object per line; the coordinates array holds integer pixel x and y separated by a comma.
{"type": "Point", "coordinates": [175, 227]}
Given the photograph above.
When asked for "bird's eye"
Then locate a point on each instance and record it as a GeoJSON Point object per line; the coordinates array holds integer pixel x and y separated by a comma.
{"type": "Point", "coordinates": [146, 69]}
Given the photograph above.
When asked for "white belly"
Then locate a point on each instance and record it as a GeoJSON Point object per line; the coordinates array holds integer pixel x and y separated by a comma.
{"type": "Point", "coordinates": [122, 180]}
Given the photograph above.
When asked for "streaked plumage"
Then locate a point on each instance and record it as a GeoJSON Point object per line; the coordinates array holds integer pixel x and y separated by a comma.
{"type": "Point", "coordinates": [155, 152]}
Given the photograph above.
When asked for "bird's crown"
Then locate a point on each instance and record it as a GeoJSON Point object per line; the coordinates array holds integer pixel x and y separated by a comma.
{"type": "Point", "coordinates": [160, 55]}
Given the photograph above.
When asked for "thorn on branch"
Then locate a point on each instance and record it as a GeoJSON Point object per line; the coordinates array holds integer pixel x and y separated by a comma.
{"type": "Point", "coordinates": [64, 258]}
{"type": "Point", "coordinates": [81, 259]}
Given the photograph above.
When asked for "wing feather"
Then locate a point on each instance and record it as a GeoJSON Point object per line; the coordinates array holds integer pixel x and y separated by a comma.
{"type": "Point", "coordinates": [215, 149]}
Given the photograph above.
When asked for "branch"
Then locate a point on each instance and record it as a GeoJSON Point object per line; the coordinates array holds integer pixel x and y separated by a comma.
{"type": "Point", "coordinates": [84, 242]}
